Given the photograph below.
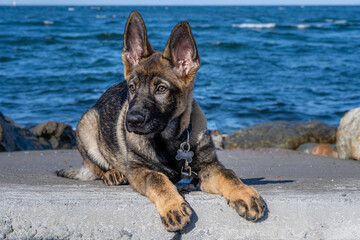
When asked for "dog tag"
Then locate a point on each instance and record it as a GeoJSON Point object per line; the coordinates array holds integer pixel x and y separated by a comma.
{"type": "Point", "coordinates": [184, 154]}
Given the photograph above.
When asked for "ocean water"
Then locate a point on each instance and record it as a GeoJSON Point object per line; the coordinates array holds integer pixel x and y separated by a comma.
{"type": "Point", "coordinates": [257, 63]}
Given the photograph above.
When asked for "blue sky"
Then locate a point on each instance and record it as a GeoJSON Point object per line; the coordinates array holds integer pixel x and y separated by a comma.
{"type": "Point", "coordinates": [183, 2]}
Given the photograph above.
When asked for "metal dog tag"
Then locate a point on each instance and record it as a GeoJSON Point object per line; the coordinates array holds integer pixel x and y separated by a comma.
{"type": "Point", "coordinates": [183, 153]}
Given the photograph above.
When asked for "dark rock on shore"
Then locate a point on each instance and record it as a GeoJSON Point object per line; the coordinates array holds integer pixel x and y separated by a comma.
{"type": "Point", "coordinates": [16, 138]}
{"type": "Point", "coordinates": [281, 134]}
{"type": "Point", "coordinates": [55, 135]}
{"type": "Point", "coordinates": [47, 135]}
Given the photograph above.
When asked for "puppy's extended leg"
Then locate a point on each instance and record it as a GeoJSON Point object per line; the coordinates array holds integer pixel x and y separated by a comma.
{"type": "Point", "coordinates": [245, 199]}
{"type": "Point", "coordinates": [174, 212]}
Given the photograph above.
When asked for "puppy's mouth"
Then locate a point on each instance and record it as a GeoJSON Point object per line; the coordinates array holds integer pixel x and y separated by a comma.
{"type": "Point", "coordinates": [138, 131]}
{"type": "Point", "coordinates": [146, 129]}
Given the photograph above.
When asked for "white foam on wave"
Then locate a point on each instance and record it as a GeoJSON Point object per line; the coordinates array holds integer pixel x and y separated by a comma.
{"type": "Point", "coordinates": [47, 22]}
{"type": "Point", "coordinates": [101, 16]}
{"type": "Point", "coordinates": [254, 25]}
{"type": "Point", "coordinates": [340, 22]}
{"type": "Point", "coordinates": [302, 26]}
{"type": "Point", "coordinates": [71, 9]}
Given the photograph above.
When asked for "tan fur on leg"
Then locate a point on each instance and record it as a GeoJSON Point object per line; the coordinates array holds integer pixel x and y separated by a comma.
{"type": "Point", "coordinates": [245, 199]}
{"type": "Point", "coordinates": [174, 212]}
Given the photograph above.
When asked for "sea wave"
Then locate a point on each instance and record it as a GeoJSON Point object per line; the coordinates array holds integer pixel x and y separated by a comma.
{"type": "Point", "coordinates": [29, 23]}
{"type": "Point", "coordinates": [230, 45]}
{"type": "Point", "coordinates": [302, 26]}
{"type": "Point", "coordinates": [6, 59]}
{"type": "Point", "coordinates": [48, 22]}
{"type": "Point", "coordinates": [340, 22]}
{"type": "Point", "coordinates": [110, 36]}
{"type": "Point", "coordinates": [106, 16]}
{"type": "Point", "coordinates": [204, 26]}
{"type": "Point", "coordinates": [254, 25]}
{"type": "Point", "coordinates": [273, 25]}
{"type": "Point", "coordinates": [101, 16]}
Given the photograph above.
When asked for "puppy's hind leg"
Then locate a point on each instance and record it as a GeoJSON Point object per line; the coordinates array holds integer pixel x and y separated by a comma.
{"type": "Point", "coordinates": [87, 141]}
{"type": "Point", "coordinates": [95, 165]}
{"type": "Point", "coordinates": [82, 173]}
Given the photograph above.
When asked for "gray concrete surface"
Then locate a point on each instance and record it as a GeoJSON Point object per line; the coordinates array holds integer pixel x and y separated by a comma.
{"type": "Point", "coordinates": [308, 197]}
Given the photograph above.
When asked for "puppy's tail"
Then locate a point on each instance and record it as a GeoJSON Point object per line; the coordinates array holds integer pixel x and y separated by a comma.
{"type": "Point", "coordinates": [82, 174]}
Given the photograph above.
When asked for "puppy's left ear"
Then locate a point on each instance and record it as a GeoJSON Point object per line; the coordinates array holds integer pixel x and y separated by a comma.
{"type": "Point", "coordinates": [182, 52]}
{"type": "Point", "coordinates": [136, 45]}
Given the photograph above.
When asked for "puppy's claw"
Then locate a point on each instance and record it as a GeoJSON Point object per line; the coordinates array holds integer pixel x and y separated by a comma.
{"type": "Point", "coordinates": [247, 203]}
{"type": "Point", "coordinates": [176, 217]}
{"type": "Point", "coordinates": [113, 177]}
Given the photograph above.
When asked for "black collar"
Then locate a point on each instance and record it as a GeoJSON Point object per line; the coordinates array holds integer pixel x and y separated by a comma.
{"type": "Point", "coordinates": [183, 135]}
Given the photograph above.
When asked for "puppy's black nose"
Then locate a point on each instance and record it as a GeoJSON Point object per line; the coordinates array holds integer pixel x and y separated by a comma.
{"type": "Point", "coordinates": [135, 119]}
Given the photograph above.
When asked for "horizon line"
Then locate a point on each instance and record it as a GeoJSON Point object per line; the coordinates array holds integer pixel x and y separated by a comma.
{"type": "Point", "coordinates": [186, 5]}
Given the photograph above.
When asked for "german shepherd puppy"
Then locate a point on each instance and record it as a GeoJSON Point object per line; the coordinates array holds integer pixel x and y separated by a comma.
{"type": "Point", "coordinates": [134, 131]}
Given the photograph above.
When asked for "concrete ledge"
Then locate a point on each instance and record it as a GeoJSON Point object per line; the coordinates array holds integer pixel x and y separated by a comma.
{"type": "Point", "coordinates": [318, 201]}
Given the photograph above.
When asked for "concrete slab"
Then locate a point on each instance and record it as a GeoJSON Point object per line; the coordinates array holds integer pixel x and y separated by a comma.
{"type": "Point", "coordinates": [308, 197]}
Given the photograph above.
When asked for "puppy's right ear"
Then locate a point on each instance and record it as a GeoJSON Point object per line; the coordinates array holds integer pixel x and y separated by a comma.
{"type": "Point", "coordinates": [136, 45]}
{"type": "Point", "coordinates": [182, 53]}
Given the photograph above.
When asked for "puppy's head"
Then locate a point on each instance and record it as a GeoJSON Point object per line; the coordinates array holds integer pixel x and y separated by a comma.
{"type": "Point", "coordinates": [160, 84]}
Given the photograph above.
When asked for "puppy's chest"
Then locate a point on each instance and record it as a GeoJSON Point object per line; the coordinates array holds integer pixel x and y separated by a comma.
{"type": "Point", "coordinates": [166, 152]}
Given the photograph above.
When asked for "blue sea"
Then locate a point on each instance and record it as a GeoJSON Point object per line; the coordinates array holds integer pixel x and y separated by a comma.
{"type": "Point", "coordinates": [257, 63]}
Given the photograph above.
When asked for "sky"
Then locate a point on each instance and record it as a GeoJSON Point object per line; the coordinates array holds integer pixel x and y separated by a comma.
{"type": "Point", "coordinates": [183, 2]}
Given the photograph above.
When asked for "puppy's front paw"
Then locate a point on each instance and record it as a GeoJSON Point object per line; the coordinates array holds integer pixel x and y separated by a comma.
{"type": "Point", "coordinates": [175, 216]}
{"type": "Point", "coordinates": [247, 203]}
{"type": "Point", "coordinates": [113, 177]}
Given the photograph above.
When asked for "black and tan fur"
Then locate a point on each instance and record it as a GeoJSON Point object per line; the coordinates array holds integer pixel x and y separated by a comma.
{"type": "Point", "coordinates": [132, 133]}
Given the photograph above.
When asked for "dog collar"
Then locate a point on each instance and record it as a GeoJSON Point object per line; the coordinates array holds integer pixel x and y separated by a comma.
{"type": "Point", "coordinates": [184, 153]}
{"type": "Point", "coordinates": [185, 133]}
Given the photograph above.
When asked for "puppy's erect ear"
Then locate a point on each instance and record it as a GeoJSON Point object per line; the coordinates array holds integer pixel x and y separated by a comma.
{"type": "Point", "coordinates": [136, 45]}
{"type": "Point", "coordinates": [182, 52]}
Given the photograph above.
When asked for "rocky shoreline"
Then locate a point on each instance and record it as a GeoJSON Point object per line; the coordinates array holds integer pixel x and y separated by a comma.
{"type": "Point", "coordinates": [311, 137]}
{"type": "Point", "coordinates": [47, 135]}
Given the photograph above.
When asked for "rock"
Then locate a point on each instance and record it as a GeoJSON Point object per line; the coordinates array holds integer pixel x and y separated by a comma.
{"type": "Point", "coordinates": [281, 134]}
{"type": "Point", "coordinates": [55, 135]}
{"type": "Point", "coordinates": [334, 154]}
{"type": "Point", "coordinates": [322, 150]}
{"type": "Point", "coordinates": [306, 147]}
{"type": "Point", "coordinates": [16, 138]}
{"type": "Point", "coordinates": [217, 138]}
{"type": "Point", "coordinates": [348, 135]}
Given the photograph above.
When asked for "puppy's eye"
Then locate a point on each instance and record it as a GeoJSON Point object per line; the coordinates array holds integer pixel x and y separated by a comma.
{"type": "Point", "coordinates": [132, 87]}
{"type": "Point", "coordinates": [161, 89]}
